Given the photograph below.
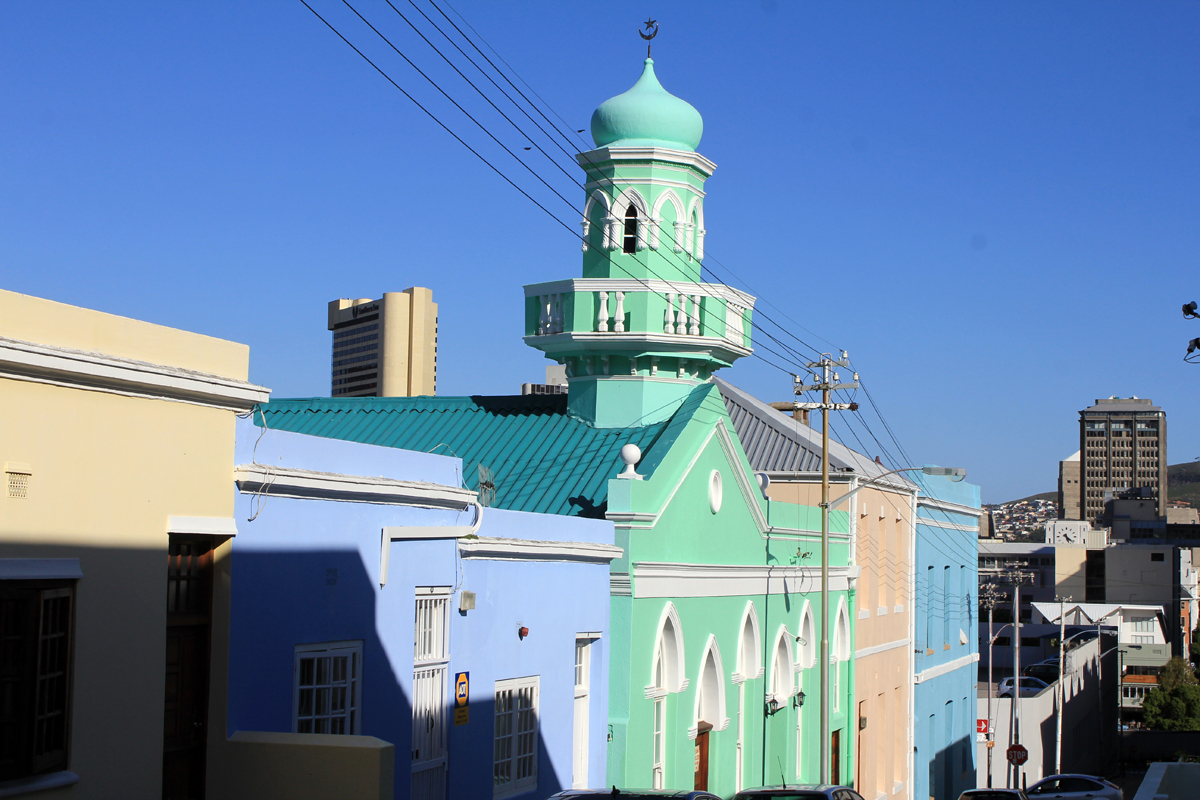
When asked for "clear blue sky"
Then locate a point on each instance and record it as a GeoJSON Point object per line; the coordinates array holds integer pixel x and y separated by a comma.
{"type": "Point", "coordinates": [992, 206]}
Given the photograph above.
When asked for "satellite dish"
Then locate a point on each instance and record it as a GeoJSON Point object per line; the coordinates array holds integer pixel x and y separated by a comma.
{"type": "Point", "coordinates": [487, 486]}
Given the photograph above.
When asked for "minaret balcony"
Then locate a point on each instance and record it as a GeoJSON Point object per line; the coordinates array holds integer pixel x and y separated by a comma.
{"type": "Point", "coordinates": [705, 321]}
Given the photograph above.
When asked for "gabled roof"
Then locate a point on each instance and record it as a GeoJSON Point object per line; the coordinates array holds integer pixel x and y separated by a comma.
{"type": "Point", "coordinates": [542, 459]}
{"type": "Point", "coordinates": [777, 443]}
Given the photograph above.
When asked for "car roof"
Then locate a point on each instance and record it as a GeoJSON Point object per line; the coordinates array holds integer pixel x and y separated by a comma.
{"type": "Point", "coordinates": [630, 792]}
{"type": "Point", "coordinates": [798, 787]}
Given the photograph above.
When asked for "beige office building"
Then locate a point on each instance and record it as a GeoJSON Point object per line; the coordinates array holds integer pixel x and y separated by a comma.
{"type": "Point", "coordinates": [1123, 446]}
{"type": "Point", "coordinates": [385, 347]}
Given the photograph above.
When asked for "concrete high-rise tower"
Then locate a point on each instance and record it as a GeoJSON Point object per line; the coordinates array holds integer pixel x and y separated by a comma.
{"type": "Point", "coordinates": [385, 347]}
{"type": "Point", "coordinates": [1123, 449]}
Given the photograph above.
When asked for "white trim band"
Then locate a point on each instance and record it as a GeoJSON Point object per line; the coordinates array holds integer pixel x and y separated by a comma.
{"type": "Point", "coordinates": [307, 484]}
{"type": "Point", "coordinates": [881, 648]}
{"type": "Point", "coordinates": [498, 549]}
{"type": "Point", "coordinates": [949, 526]}
{"type": "Point", "coordinates": [666, 579]}
{"type": "Point", "coordinates": [76, 369]}
{"type": "Point", "coordinates": [942, 669]}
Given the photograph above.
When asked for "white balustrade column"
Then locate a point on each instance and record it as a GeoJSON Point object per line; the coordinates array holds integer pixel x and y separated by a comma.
{"type": "Point", "coordinates": [602, 314]}
{"type": "Point", "coordinates": [694, 318]}
{"type": "Point", "coordinates": [681, 315]}
{"type": "Point", "coordinates": [669, 314]}
{"type": "Point", "coordinates": [619, 314]}
{"type": "Point", "coordinates": [543, 315]}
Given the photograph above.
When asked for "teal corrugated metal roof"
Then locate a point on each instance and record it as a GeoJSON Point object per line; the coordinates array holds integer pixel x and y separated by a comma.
{"type": "Point", "coordinates": [542, 459]}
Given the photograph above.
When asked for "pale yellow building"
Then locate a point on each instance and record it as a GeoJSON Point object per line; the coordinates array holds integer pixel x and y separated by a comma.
{"type": "Point", "coordinates": [116, 512]}
{"type": "Point", "coordinates": [385, 347]}
{"type": "Point", "coordinates": [882, 514]}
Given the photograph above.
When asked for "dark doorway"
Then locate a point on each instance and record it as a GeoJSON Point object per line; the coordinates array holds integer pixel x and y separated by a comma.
{"type": "Point", "coordinates": [185, 707]}
{"type": "Point", "coordinates": [701, 776]}
{"type": "Point", "coordinates": [835, 758]}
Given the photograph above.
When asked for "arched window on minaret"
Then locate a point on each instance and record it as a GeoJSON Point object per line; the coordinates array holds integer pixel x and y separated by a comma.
{"type": "Point", "coordinates": [631, 225]}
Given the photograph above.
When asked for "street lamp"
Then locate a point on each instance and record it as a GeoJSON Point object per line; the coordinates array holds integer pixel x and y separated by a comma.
{"type": "Point", "coordinates": [953, 473]}
{"type": "Point", "coordinates": [991, 725]}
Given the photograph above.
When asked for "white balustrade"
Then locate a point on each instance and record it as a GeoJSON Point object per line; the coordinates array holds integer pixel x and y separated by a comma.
{"type": "Point", "coordinates": [668, 315]}
{"type": "Point", "coordinates": [694, 317]}
{"type": "Point", "coordinates": [619, 313]}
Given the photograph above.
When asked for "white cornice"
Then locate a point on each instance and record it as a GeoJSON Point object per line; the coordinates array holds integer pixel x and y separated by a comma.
{"type": "Point", "coordinates": [945, 505]}
{"type": "Point", "coordinates": [641, 343]}
{"type": "Point", "coordinates": [949, 666]}
{"type": "Point", "coordinates": [619, 584]}
{"type": "Point", "coordinates": [76, 369]}
{"type": "Point", "coordinates": [950, 526]}
{"type": "Point", "coordinates": [717, 290]}
{"type": "Point", "coordinates": [202, 526]}
{"type": "Point", "coordinates": [307, 484]}
{"type": "Point", "coordinates": [650, 181]}
{"type": "Point", "coordinates": [666, 579]}
{"type": "Point", "coordinates": [497, 549]}
{"type": "Point", "coordinates": [595, 158]}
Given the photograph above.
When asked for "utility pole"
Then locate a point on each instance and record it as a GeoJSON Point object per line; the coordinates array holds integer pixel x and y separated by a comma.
{"type": "Point", "coordinates": [988, 597]}
{"type": "Point", "coordinates": [826, 381]}
{"type": "Point", "coordinates": [1062, 663]}
{"type": "Point", "coordinates": [1016, 577]}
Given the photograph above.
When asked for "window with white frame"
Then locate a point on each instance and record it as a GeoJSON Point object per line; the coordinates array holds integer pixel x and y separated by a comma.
{"type": "Point", "coordinates": [660, 713]}
{"type": "Point", "coordinates": [326, 694]}
{"type": "Point", "coordinates": [1142, 624]}
{"type": "Point", "coordinates": [514, 749]}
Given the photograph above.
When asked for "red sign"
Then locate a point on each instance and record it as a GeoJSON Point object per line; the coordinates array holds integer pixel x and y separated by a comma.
{"type": "Point", "coordinates": [981, 726]}
{"type": "Point", "coordinates": [1017, 754]}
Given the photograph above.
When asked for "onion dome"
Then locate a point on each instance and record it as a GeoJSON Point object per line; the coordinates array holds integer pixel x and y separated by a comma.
{"type": "Point", "coordinates": [647, 116]}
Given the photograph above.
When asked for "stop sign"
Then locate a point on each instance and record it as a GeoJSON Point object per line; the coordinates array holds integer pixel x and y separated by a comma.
{"type": "Point", "coordinates": [1017, 754]}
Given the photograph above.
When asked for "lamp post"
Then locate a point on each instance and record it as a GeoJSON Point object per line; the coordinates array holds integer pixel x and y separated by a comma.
{"type": "Point", "coordinates": [953, 473]}
{"type": "Point", "coordinates": [991, 727]}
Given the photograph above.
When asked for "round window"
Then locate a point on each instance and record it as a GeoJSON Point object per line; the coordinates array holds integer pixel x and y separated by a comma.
{"type": "Point", "coordinates": [714, 491]}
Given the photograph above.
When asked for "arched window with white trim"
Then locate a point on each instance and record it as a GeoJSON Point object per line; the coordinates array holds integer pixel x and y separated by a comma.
{"type": "Point", "coordinates": [710, 694]}
{"type": "Point", "coordinates": [631, 230]}
{"type": "Point", "coordinates": [841, 651]}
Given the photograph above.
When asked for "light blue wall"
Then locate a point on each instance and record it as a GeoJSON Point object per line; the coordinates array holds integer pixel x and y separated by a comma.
{"type": "Point", "coordinates": [946, 609]}
{"type": "Point", "coordinates": [285, 594]}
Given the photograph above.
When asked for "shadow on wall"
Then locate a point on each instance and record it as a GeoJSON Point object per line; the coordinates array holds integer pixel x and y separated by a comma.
{"type": "Point", "coordinates": [952, 770]}
{"type": "Point", "coordinates": [282, 599]}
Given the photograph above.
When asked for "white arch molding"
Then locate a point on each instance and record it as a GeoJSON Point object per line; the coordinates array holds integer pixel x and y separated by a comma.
{"type": "Point", "coordinates": [588, 208]}
{"type": "Point", "coordinates": [668, 646]}
{"type": "Point", "coordinates": [749, 655]}
{"type": "Point", "coordinates": [782, 681]}
{"type": "Point", "coordinates": [807, 656]}
{"type": "Point", "coordinates": [656, 220]}
{"type": "Point", "coordinates": [694, 242]}
{"type": "Point", "coordinates": [841, 632]}
{"type": "Point", "coordinates": [710, 690]}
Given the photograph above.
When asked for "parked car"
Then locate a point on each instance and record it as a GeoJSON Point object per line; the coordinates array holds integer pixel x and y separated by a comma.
{"type": "Point", "coordinates": [1047, 670]}
{"type": "Point", "coordinates": [1029, 687]}
{"type": "Point", "coordinates": [1070, 787]}
{"type": "Point", "coordinates": [799, 791]}
{"type": "Point", "coordinates": [633, 794]}
{"type": "Point", "coordinates": [993, 794]}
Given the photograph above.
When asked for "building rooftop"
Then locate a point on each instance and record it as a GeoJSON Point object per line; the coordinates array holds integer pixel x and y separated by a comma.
{"type": "Point", "coordinates": [1109, 405]}
{"type": "Point", "coordinates": [541, 458]}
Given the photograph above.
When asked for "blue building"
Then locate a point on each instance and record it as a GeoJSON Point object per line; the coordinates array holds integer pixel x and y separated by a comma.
{"type": "Point", "coordinates": [363, 604]}
{"type": "Point", "coordinates": [945, 639]}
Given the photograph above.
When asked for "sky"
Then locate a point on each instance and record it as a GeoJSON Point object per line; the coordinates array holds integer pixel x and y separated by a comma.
{"type": "Point", "coordinates": [993, 207]}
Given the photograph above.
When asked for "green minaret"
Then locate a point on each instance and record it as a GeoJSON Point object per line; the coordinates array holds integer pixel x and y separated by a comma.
{"type": "Point", "coordinates": [640, 329]}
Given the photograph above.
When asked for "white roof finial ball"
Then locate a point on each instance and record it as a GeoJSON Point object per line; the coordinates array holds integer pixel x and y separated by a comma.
{"type": "Point", "coordinates": [631, 454]}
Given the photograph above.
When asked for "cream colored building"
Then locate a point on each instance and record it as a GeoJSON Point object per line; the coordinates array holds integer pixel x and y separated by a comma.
{"type": "Point", "coordinates": [116, 513]}
{"type": "Point", "coordinates": [882, 516]}
{"type": "Point", "coordinates": [385, 347]}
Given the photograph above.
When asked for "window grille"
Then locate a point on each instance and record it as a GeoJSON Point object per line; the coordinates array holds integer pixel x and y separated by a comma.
{"type": "Point", "coordinates": [327, 693]}
{"type": "Point", "coordinates": [18, 484]}
{"type": "Point", "coordinates": [514, 761]}
{"type": "Point", "coordinates": [430, 627]}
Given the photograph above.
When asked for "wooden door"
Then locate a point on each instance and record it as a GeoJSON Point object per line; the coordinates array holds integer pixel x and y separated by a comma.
{"type": "Point", "coordinates": [701, 763]}
{"type": "Point", "coordinates": [185, 706]}
{"type": "Point", "coordinates": [835, 757]}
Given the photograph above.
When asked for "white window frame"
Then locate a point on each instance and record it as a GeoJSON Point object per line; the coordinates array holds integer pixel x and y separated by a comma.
{"type": "Point", "coordinates": [658, 741]}
{"type": "Point", "coordinates": [513, 732]}
{"type": "Point", "coordinates": [354, 650]}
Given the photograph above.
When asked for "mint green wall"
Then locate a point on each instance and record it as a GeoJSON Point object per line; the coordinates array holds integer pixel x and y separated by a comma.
{"type": "Point", "coordinates": [688, 532]}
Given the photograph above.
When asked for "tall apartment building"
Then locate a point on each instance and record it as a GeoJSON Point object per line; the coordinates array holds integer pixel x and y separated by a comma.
{"type": "Point", "coordinates": [1123, 446]}
{"type": "Point", "coordinates": [385, 347]}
